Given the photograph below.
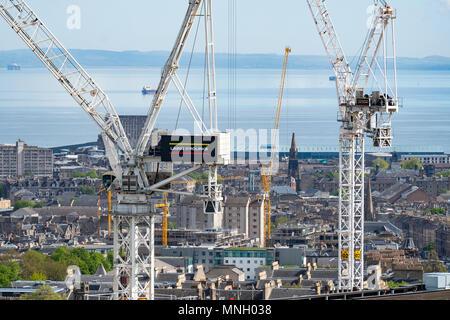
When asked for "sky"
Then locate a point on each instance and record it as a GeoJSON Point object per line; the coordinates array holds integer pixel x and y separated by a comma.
{"type": "Point", "coordinates": [263, 26]}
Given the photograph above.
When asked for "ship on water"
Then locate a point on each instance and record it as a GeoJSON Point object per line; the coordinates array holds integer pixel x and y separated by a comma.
{"type": "Point", "coordinates": [147, 90]}
{"type": "Point", "coordinates": [13, 67]}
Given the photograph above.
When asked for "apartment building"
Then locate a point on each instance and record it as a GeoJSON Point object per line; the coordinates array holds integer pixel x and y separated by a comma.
{"type": "Point", "coordinates": [20, 160]}
{"type": "Point", "coordinates": [246, 215]}
{"type": "Point", "coordinates": [428, 159]}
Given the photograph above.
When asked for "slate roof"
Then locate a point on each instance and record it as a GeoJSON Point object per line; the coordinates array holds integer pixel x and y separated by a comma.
{"type": "Point", "coordinates": [283, 293]}
{"type": "Point", "coordinates": [23, 213]}
{"type": "Point", "coordinates": [236, 201]}
{"type": "Point", "coordinates": [64, 211]}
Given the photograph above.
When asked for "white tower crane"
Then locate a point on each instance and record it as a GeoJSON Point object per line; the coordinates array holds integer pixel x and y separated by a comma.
{"type": "Point", "coordinates": [360, 113]}
{"type": "Point", "coordinates": [148, 169]}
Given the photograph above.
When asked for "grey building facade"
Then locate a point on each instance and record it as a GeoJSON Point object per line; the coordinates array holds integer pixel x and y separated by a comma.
{"type": "Point", "coordinates": [20, 160]}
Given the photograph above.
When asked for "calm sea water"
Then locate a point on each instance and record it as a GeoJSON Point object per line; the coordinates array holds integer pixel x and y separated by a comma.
{"type": "Point", "coordinates": [34, 108]}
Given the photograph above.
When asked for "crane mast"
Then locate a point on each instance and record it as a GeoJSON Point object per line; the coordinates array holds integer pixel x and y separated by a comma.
{"type": "Point", "coordinates": [141, 172]}
{"type": "Point", "coordinates": [360, 113]}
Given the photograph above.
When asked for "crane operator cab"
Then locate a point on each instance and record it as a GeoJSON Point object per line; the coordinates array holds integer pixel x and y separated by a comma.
{"type": "Point", "coordinates": [379, 109]}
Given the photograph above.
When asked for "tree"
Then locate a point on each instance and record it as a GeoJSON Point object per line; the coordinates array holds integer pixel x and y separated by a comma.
{"type": "Point", "coordinates": [43, 293]}
{"type": "Point", "coordinates": [433, 264]}
{"type": "Point", "coordinates": [88, 262]}
{"type": "Point", "coordinates": [34, 264]}
{"type": "Point", "coordinates": [2, 191]}
{"type": "Point", "coordinates": [31, 262]}
{"type": "Point", "coordinates": [37, 276]}
{"type": "Point", "coordinates": [9, 271]}
{"type": "Point", "coordinates": [171, 225]}
{"type": "Point", "coordinates": [280, 221]}
{"type": "Point", "coordinates": [27, 204]}
{"type": "Point", "coordinates": [382, 164]}
{"type": "Point", "coordinates": [444, 174]}
{"type": "Point", "coordinates": [391, 284]}
{"type": "Point", "coordinates": [88, 190]}
{"type": "Point", "coordinates": [332, 175]}
{"type": "Point", "coordinates": [110, 258]}
{"type": "Point", "coordinates": [411, 164]}
{"type": "Point", "coordinates": [91, 174]}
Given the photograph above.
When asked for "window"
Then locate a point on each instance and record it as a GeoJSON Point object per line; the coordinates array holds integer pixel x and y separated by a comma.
{"type": "Point", "coordinates": [248, 269]}
{"type": "Point", "coordinates": [248, 261]}
{"type": "Point", "coordinates": [226, 260]}
{"type": "Point", "coordinates": [234, 261]}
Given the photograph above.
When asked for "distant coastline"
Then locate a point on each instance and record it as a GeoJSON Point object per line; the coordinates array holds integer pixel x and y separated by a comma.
{"type": "Point", "coordinates": [103, 58]}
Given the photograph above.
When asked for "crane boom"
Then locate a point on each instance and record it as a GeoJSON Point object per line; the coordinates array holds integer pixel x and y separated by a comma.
{"type": "Point", "coordinates": [78, 83]}
{"type": "Point", "coordinates": [168, 73]}
{"type": "Point", "coordinates": [333, 47]}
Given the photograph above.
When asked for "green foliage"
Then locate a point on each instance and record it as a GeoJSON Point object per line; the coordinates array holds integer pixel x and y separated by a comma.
{"type": "Point", "coordinates": [27, 204]}
{"type": "Point", "coordinates": [435, 211]}
{"type": "Point", "coordinates": [2, 191]}
{"type": "Point", "coordinates": [393, 284]}
{"type": "Point", "coordinates": [91, 174]}
{"type": "Point", "coordinates": [88, 262]}
{"type": "Point", "coordinates": [88, 190]}
{"type": "Point", "coordinates": [171, 225]}
{"type": "Point", "coordinates": [280, 220]}
{"type": "Point", "coordinates": [430, 246]}
{"type": "Point", "coordinates": [433, 264]}
{"type": "Point", "coordinates": [110, 258]}
{"type": "Point", "coordinates": [38, 276]}
{"type": "Point", "coordinates": [332, 175]}
{"type": "Point", "coordinates": [9, 271]}
{"type": "Point", "coordinates": [31, 264]}
{"type": "Point", "coordinates": [442, 191]}
{"type": "Point", "coordinates": [411, 164]}
{"type": "Point", "coordinates": [383, 165]}
{"type": "Point", "coordinates": [202, 176]}
{"type": "Point", "coordinates": [43, 293]}
{"type": "Point", "coordinates": [444, 174]}
{"type": "Point", "coordinates": [38, 205]}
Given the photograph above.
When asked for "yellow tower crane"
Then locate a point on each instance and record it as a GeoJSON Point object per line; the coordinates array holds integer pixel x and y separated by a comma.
{"type": "Point", "coordinates": [266, 175]}
{"type": "Point", "coordinates": [99, 209]}
{"type": "Point", "coordinates": [164, 219]}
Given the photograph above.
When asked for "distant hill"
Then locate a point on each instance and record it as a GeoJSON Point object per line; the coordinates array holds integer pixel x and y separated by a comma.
{"type": "Point", "coordinates": [103, 58]}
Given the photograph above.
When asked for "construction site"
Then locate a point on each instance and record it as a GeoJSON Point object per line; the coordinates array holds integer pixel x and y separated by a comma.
{"type": "Point", "coordinates": [214, 214]}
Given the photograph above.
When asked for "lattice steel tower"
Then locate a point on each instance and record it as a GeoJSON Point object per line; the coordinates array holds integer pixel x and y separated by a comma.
{"type": "Point", "coordinates": [361, 113]}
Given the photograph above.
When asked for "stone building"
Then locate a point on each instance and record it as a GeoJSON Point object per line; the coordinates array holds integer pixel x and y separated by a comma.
{"type": "Point", "coordinates": [20, 160]}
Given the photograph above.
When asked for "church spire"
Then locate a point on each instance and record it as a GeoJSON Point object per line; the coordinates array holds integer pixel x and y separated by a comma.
{"type": "Point", "coordinates": [293, 144]}
{"type": "Point", "coordinates": [293, 159]}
